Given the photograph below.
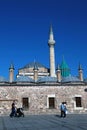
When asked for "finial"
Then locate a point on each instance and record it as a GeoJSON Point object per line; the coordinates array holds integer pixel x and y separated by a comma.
{"type": "Point", "coordinates": [58, 67]}
{"type": "Point", "coordinates": [35, 66]}
{"type": "Point", "coordinates": [11, 66]}
{"type": "Point", "coordinates": [80, 67]}
{"type": "Point", "coordinates": [51, 30]}
{"type": "Point", "coordinates": [51, 40]}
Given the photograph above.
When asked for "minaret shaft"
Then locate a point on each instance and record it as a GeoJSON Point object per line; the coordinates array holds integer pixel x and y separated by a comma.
{"type": "Point", "coordinates": [81, 75]}
{"type": "Point", "coordinates": [80, 72]}
{"type": "Point", "coordinates": [11, 73]}
{"type": "Point", "coordinates": [51, 43]}
{"type": "Point", "coordinates": [52, 61]}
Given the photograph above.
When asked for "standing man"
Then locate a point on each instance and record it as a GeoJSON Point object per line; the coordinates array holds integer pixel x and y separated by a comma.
{"type": "Point", "coordinates": [63, 109]}
{"type": "Point", "coordinates": [13, 109]}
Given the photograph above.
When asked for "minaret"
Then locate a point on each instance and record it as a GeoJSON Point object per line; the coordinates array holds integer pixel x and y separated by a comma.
{"type": "Point", "coordinates": [35, 72]}
{"type": "Point", "coordinates": [11, 73]}
{"type": "Point", "coordinates": [51, 43]}
{"type": "Point", "coordinates": [80, 72]}
{"type": "Point", "coordinates": [58, 74]}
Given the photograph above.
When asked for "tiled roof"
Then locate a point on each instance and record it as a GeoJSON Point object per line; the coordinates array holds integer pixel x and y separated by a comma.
{"type": "Point", "coordinates": [85, 80]}
{"type": "Point", "coordinates": [47, 79]}
{"type": "Point", "coordinates": [70, 79]}
{"type": "Point", "coordinates": [2, 79]}
{"type": "Point", "coordinates": [24, 79]}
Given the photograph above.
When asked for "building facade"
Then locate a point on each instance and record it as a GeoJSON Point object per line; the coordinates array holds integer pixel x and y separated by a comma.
{"type": "Point", "coordinates": [41, 90]}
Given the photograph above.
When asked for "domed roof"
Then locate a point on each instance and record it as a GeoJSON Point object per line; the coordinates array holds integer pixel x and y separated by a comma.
{"type": "Point", "coordinates": [64, 65]}
{"type": "Point", "coordinates": [47, 79]}
{"type": "Point", "coordinates": [65, 71]}
{"type": "Point", "coordinates": [24, 79]}
{"type": "Point", "coordinates": [33, 64]}
{"type": "Point", "coordinates": [70, 79]}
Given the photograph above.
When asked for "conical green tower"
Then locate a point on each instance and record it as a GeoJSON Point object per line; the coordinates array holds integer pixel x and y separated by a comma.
{"type": "Point", "coordinates": [65, 71]}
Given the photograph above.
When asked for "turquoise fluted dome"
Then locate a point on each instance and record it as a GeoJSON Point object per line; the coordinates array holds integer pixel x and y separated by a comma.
{"type": "Point", "coordinates": [65, 71]}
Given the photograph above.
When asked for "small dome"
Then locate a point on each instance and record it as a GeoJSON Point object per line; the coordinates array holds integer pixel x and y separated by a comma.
{"type": "Point", "coordinates": [24, 79]}
{"type": "Point", "coordinates": [70, 79]}
{"type": "Point", "coordinates": [47, 79]}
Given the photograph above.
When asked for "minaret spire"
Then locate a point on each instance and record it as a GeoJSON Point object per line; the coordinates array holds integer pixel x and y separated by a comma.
{"type": "Point", "coordinates": [51, 40]}
{"type": "Point", "coordinates": [51, 43]}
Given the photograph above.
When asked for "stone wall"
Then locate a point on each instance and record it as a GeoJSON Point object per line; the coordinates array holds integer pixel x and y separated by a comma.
{"type": "Point", "coordinates": [39, 98]}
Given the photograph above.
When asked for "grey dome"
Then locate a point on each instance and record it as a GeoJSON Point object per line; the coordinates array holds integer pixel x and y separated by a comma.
{"type": "Point", "coordinates": [24, 79]}
{"type": "Point", "coordinates": [70, 79]}
{"type": "Point", "coordinates": [33, 64]}
{"type": "Point", "coordinates": [47, 79]}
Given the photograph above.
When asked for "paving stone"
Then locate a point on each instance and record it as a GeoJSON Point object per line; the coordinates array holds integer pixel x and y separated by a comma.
{"type": "Point", "coordinates": [44, 122]}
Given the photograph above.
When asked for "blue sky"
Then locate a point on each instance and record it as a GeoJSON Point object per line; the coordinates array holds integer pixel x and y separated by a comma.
{"type": "Point", "coordinates": [24, 32]}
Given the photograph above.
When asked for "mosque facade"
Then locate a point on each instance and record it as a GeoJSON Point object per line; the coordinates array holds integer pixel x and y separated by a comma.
{"type": "Point", "coordinates": [41, 90]}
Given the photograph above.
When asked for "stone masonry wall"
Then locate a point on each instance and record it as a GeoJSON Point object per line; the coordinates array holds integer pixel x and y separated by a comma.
{"type": "Point", "coordinates": [38, 98]}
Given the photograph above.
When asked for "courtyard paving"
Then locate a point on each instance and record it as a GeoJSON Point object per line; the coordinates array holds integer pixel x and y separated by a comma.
{"type": "Point", "coordinates": [44, 122]}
